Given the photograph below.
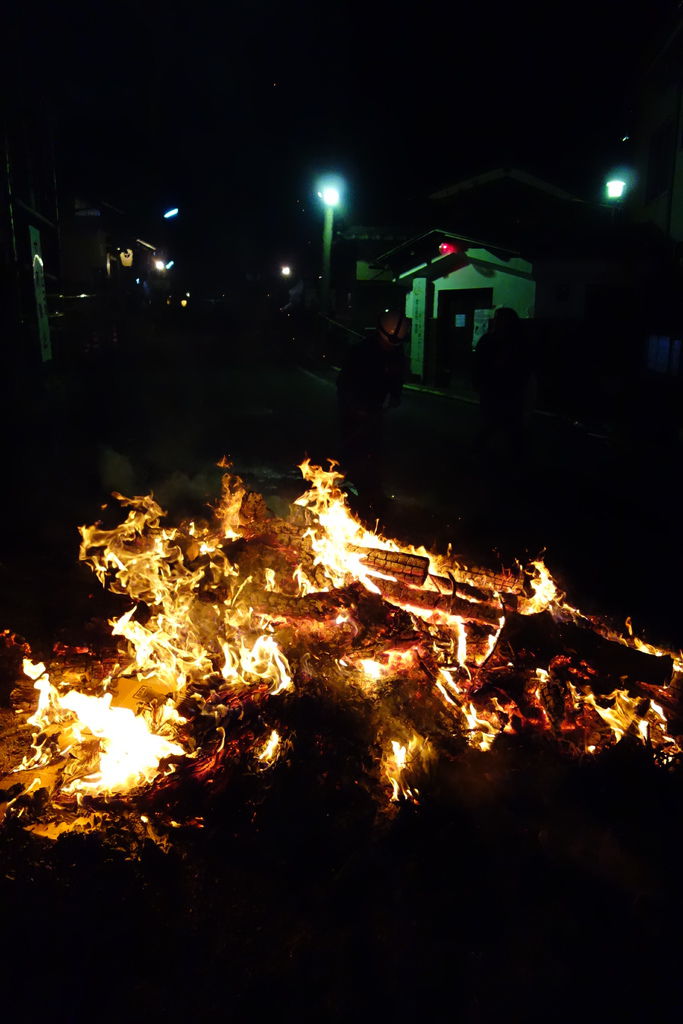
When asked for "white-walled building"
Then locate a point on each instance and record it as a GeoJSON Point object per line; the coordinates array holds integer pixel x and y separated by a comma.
{"type": "Point", "coordinates": [452, 286]}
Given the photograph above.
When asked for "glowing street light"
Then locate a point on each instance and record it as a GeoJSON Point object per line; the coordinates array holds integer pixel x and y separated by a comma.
{"type": "Point", "coordinates": [159, 265]}
{"type": "Point", "coordinates": [171, 213]}
{"type": "Point", "coordinates": [615, 188]}
{"type": "Point", "coordinates": [286, 271]}
{"type": "Point", "coordinates": [330, 197]}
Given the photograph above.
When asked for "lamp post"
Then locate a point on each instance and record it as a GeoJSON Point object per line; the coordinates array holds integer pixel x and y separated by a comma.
{"type": "Point", "coordinates": [330, 197]}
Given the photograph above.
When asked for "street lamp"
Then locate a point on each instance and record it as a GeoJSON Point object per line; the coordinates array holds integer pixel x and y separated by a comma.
{"type": "Point", "coordinates": [615, 188]}
{"type": "Point", "coordinates": [286, 271]}
{"type": "Point", "coordinates": [171, 213]}
{"type": "Point", "coordinates": [330, 197]}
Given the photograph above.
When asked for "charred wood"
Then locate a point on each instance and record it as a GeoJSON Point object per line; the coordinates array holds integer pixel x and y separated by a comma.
{"type": "Point", "coordinates": [449, 604]}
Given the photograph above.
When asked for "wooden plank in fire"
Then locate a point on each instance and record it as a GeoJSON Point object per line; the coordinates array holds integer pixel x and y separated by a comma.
{"type": "Point", "coordinates": [477, 585]}
{"type": "Point", "coordinates": [401, 565]}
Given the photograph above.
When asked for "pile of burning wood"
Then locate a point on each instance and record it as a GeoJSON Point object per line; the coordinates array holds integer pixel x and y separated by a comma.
{"type": "Point", "coordinates": [233, 620]}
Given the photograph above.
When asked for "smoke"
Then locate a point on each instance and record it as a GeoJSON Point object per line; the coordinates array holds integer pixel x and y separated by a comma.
{"type": "Point", "coordinates": [180, 490]}
{"type": "Point", "coordinates": [116, 473]}
{"type": "Point", "coordinates": [176, 492]}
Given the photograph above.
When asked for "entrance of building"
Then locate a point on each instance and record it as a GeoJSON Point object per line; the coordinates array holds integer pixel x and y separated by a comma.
{"type": "Point", "coordinates": [455, 331]}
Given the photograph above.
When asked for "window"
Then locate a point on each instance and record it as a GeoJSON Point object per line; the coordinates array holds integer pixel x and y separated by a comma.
{"type": "Point", "coordinates": [663, 354]}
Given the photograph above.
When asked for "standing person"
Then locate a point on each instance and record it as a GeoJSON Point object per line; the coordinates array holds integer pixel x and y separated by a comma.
{"type": "Point", "coordinates": [370, 380]}
{"type": "Point", "coordinates": [503, 376]}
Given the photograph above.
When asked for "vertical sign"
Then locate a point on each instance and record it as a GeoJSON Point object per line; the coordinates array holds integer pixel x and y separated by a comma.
{"type": "Point", "coordinates": [39, 291]}
{"type": "Point", "coordinates": [417, 337]}
{"type": "Point", "coordinates": [481, 325]}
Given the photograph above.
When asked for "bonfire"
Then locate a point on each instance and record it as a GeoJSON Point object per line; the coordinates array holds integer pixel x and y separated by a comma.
{"type": "Point", "coordinates": [234, 619]}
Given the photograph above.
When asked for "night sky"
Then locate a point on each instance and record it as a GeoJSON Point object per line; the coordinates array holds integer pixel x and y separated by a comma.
{"type": "Point", "coordinates": [232, 113]}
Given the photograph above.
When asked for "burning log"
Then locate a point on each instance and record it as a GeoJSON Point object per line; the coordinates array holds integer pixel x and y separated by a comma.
{"type": "Point", "coordinates": [408, 596]}
{"type": "Point", "coordinates": [321, 606]}
{"type": "Point", "coordinates": [507, 584]}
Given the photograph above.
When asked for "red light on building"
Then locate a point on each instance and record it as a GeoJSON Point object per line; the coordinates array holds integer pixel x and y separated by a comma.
{"type": "Point", "coordinates": [447, 248]}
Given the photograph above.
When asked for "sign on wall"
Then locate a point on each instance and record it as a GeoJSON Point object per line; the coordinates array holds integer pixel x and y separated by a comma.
{"type": "Point", "coordinates": [481, 325]}
{"type": "Point", "coordinates": [417, 339]}
{"type": "Point", "coordinates": [42, 321]}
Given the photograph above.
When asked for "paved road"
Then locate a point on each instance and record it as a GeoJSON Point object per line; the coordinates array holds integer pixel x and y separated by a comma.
{"type": "Point", "coordinates": [160, 417]}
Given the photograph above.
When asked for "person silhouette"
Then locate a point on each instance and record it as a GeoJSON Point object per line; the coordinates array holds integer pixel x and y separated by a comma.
{"type": "Point", "coordinates": [503, 376]}
{"type": "Point", "coordinates": [370, 380]}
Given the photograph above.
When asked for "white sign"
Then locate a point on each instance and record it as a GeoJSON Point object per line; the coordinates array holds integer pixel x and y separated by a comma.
{"type": "Point", "coordinates": [39, 291]}
{"type": "Point", "coordinates": [482, 318]}
{"type": "Point", "coordinates": [418, 316]}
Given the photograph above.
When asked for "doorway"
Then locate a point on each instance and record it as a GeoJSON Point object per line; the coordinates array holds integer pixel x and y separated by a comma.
{"type": "Point", "coordinates": [455, 331]}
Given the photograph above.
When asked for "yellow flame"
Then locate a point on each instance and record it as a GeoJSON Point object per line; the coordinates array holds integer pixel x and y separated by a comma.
{"type": "Point", "coordinates": [269, 752]}
{"type": "Point", "coordinates": [480, 731]}
{"type": "Point", "coordinates": [544, 591]}
{"type": "Point", "coordinates": [372, 669]}
{"type": "Point", "coordinates": [112, 750]}
{"type": "Point", "coordinates": [622, 716]}
{"type": "Point", "coordinates": [403, 759]}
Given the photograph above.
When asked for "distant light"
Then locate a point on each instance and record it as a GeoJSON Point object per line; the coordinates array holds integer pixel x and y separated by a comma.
{"type": "Point", "coordinates": [171, 263]}
{"type": "Point", "coordinates": [615, 188]}
{"type": "Point", "coordinates": [159, 265]}
{"type": "Point", "coordinates": [137, 280]}
{"type": "Point", "coordinates": [625, 138]}
{"type": "Point", "coordinates": [188, 294]}
{"type": "Point", "coordinates": [183, 302]}
{"type": "Point", "coordinates": [329, 195]}
{"type": "Point", "coordinates": [171, 213]}
{"type": "Point", "coordinates": [286, 271]}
